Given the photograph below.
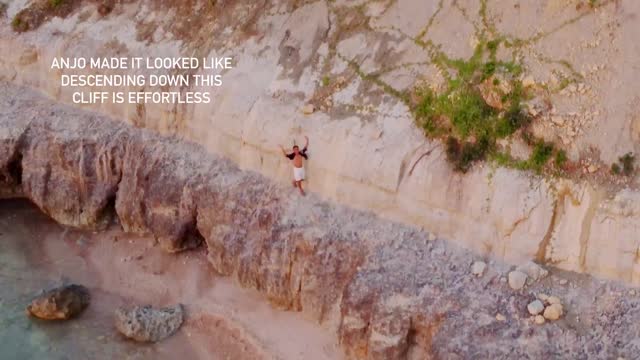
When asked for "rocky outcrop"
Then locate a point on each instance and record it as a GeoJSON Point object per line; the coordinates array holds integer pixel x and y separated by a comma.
{"type": "Point", "coordinates": [61, 303]}
{"type": "Point", "coordinates": [386, 289]}
{"type": "Point", "coordinates": [293, 57]}
{"type": "Point", "coordinates": [146, 324]}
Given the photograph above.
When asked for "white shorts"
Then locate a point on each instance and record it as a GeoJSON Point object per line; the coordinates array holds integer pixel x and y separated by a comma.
{"type": "Point", "coordinates": [298, 174]}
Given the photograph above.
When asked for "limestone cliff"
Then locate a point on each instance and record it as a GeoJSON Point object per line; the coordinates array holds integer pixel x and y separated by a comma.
{"type": "Point", "coordinates": [385, 289]}
{"type": "Point", "coordinates": [348, 59]}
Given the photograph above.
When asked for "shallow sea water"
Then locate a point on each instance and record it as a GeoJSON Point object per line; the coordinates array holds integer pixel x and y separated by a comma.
{"type": "Point", "coordinates": [23, 275]}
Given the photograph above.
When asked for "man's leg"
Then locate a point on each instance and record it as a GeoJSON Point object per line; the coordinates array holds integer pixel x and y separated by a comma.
{"type": "Point", "coordinates": [300, 187]}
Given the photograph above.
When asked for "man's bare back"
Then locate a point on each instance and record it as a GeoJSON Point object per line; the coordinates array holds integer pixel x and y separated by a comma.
{"type": "Point", "coordinates": [297, 156]}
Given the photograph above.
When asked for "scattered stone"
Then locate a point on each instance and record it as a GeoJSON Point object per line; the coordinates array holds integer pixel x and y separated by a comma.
{"type": "Point", "coordinates": [539, 319]}
{"type": "Point", "coordinates": [553, 312]}
{"type": "Point", "coordinates": [558, 120]}
{"type": "Point", "coordinates": [581, 88]}
{"type": "Point", "coordinates": [500, 317]}
{"type": "Point", "coordinates": [145, 324]}
{"type": "Point", "coordinates": [543, 297]}
{"type": "Point", "coordinates": [632, 292]}
{"type": "Point", "coordinates": [478, 268]}
{"type": "Point", "coordinates": [61, 303]}
{"type": "Point", "coordinates": [553, 300]}
{"type": "Point", "coordinates": [308, 109]}
{"type": "Point", "coordinates": [432, 236]}
{"type": "Point", "coordinates": [528, 81]}
{"type": "Point", "coordinates": [535, 307]}
{"type": "Point", "coordinates": [592, 168]}
{"type": "Point", "coordinates": [517, 279]}
{"type": "Point", "coordinates": [563, 281]}
{"type": "Point", "coordinates": [534, 271]}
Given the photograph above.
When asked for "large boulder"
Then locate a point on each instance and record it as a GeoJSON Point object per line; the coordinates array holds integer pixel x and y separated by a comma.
{"type": "Point", "coordinates": [61, 303]}
{"type": "Point", "coordinates": [145, 324]}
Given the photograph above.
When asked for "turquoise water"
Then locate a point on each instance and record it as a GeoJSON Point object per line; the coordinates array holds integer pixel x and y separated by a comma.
{"type": "Point", "coordinates": [91, 336]}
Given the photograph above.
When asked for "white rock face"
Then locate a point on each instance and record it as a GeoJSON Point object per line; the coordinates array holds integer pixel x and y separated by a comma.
{"type": "Point", "coordinates": [478, 268]}
{"type": "Point", "coordinates": [517, 280]}
{"type": "Point", "coordinates": [535, 307]}
{"type": "Point", "coordinates": [372, 158]}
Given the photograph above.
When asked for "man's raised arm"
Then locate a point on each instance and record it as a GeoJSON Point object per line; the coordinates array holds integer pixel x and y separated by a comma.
{"type": "Point", "coordinates": [306, 142]}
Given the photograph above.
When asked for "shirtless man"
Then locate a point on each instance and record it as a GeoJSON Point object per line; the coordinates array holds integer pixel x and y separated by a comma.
{"type": "Point", "coordinates": [298, 165]}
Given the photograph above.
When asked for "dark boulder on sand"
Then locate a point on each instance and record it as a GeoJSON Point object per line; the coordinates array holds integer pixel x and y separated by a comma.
{"type": "Point", "coordinates": [61, 303]}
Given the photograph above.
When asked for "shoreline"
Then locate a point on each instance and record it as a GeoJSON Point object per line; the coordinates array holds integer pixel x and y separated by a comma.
{"type": "Point", "coordinates": [387, 291]}
{"type": "Point", "coordinates": [223, 320]}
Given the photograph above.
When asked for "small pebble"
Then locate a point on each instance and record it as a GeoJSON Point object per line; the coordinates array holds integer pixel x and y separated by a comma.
{"type": "Point", "coordinates": [535, 307]}
{"type": "Point", "coordinates": [478, 268]}
{"type": "Point", "coordinates": [517, 280]}
{"type": "Point", "coordinates": [553, 300]}
{"type": "Point", "coordinates": [553, 312]}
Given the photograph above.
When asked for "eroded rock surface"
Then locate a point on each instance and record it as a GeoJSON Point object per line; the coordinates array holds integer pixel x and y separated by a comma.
{"type": "Point", "coordinates": [386, 289]}
{"type": "Point", "coordinates": [61, 303]}
{"type": "Point", "coordinates": [146, 324]}
{"type": "Point", "coordinates": [330, 70]}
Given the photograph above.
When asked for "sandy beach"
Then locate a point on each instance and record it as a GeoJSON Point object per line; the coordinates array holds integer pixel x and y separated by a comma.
{"type": "Point", "coordinates": [223, 321]}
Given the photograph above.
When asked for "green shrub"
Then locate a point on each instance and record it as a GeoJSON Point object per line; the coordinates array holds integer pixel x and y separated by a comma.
{"type": "Point", "coordinates": [513, 119]}
{"type": "Point", "coordinates": [492, 46]}
{"type": "Point", "coordinates": [560, 158]}
{"type": "Point", "coordinates": [462, 156]}
{"type": "Point", "coordinates": [625, 165]}
{"type": "Point", "coordinates": [541, 154]}
{"type": "Point", "coordinates": [55, 3]}
{"type": "Point", "coordinates": [460, 111]}
{"type": "Point", "coordinates": [18, 25]}
{"type": "Point", "coordinates": [488, 69]}
{"type": "Point", "coordinates": [615, 169]}
{"type": "Point", "coordinates": [326, 80]}
{"type": "Point", "coordinates": [469, 113]}
{"type": "Point", "coordinates": [627, 162]}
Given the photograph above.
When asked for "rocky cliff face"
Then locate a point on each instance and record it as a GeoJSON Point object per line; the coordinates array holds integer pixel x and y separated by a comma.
{"type": "Point", "coordinates": [385, 289]}
{"type": "Point", "coordinates": [349, 60]}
